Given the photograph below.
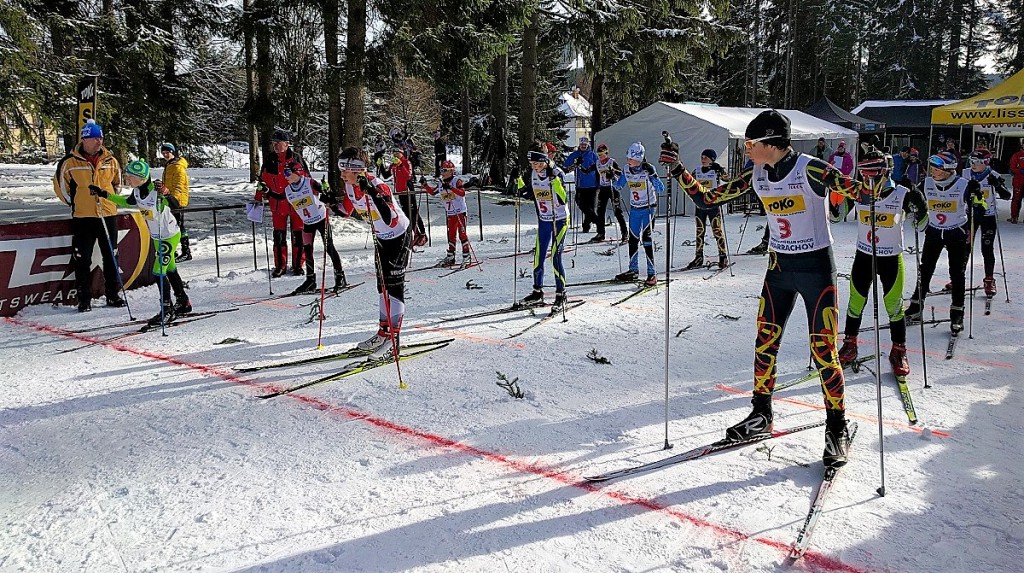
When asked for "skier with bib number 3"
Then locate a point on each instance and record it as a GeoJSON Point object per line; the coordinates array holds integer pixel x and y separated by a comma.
{"type": "Point", "coordinates": [795, 190]}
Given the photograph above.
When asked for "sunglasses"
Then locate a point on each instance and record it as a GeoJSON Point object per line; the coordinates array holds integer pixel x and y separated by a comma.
{"type": "Point", "coordinates": [749, 144]}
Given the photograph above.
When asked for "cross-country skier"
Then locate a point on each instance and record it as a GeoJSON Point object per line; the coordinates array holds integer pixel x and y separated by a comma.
{"type": "Point", "coordinates": [640, 180]}
{"type": "Point", "coordinates": [608, 171]}
{"type": "Point", "coordinates": [893, 203]}
{"type": "Point", "coordinates": [272, 184]}
{"type": "Point", "coordinates": [794, 189]}
{"type": "Point", "coordinates": [372, 200]}
{"type": "Point", "coordinates": [992, 184]}
{"type": "Point", "coordinates": [584, 161]}
{"type": "Point", "coordinates": [709, 174]}
{"type": "Point", "coordinates": [163, 228]}
{"type": "Point", "coordinates": [949, 214]}
{"type": "Point", "coordinates": [304, 194]}
{"type": "Point", "coordinates": [545, 188]}
{"type": "Point", "coordinates": [454, 196]}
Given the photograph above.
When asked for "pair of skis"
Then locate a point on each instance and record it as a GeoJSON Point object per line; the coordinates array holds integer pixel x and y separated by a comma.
{"type": "Point", "coordinates": [644, 289]}
{"type": "Point", "coordinates": [803, 538]}
{"type": "Point", "coordinates": [361, 366]}
{"type": "Point", "coordinates": [855, 366]}
{"type": "Point", "coordinates": [343, 355]}
{"type": "Point", "coordinates": [330, 293]}
{"type": "Point", "coordinates": [147, 327]}
{"type": "Point", "coordinates": [143, 321]}
{"type": "Point", "coordinates": [555, 311]}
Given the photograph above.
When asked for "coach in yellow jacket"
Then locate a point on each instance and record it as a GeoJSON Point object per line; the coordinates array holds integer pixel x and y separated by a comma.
{"type": "Point", "coordinates": [176, 182]}
{"type": "Point", "coordinates": [89, 163]}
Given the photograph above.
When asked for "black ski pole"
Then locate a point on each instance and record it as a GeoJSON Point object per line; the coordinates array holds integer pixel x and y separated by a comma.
{"type": "Point", "coordinates": [113, 255]}
{"type": "Point", "coordinates": [743, 230]}
{"type": "Point", "coordinates": [668, 285]}
{"type": "Point", "coordinates": [878, 346]}
{"type": "Point", "coordinates": [163, 276]}
{"type": "Point", "coordinates": [515, 256]}
{"type": "Point", "coordinates": [266, 247]}
{"type": "Point", "coordinates": [922, 294]}
{"type": "Point", "coordinates": [1002, 262]}
{"type": "Point", "coordinates": [970, 291]}
{"type": "Point", "coordinates": [725, 238]}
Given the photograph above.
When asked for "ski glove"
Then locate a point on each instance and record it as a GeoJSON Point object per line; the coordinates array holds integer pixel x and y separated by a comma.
{"type": "Point", "coordinates": [366, 187]}
{"type": "Point", "coordinates": [668, 156]}
{"type": "Point", "coordinates": [1000, 186]}
{"type": "Point", "coordinates": [96, 191]}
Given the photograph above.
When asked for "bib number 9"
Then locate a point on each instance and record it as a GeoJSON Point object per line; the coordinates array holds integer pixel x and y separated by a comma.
{"type": "Point", "coordinates": [941, 218]}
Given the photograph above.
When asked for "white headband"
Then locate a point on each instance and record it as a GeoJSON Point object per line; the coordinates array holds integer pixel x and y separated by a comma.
{"type": "Point", "coordinates": [351, 165]}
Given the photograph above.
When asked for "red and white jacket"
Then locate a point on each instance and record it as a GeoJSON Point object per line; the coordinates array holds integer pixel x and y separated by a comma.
{"type": "Point", "coordinates": [380, 208]}
{"type": "Point", "coordinates": [452, 193]}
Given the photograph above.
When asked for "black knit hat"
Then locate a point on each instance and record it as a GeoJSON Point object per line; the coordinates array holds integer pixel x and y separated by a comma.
{"type": "Point", "coordinates": [771, 127]}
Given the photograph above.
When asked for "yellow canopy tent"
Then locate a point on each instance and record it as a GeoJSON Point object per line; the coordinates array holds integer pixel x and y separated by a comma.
{"type": "Point", "coordinates": [1001, 104]}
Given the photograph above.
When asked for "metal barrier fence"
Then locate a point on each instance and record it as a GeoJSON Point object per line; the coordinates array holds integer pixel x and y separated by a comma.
{"type": "Point", "coordinates": [214, 209]}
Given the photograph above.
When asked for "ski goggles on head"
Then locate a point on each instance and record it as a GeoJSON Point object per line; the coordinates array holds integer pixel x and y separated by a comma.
{"type": "Point", "coordinates": [939, 162]}
{"type": "Point", "coordinates": [979, 161]}
{"type": "Point", "coordinates": [537, 157]}
{"type": "Point", "coordinates": [351, 165]}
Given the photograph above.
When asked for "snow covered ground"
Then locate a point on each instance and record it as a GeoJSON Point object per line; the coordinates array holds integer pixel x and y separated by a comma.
{"type": "Point", "coordinates": [151, 453]}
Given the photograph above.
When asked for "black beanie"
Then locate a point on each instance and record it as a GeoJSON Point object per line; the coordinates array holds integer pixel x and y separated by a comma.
{"type": "Point", "coordinates": [769, 124]}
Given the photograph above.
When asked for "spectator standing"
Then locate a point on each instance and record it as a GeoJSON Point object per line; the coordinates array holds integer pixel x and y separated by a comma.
{"type": "Point", "coordinates": [176, 184]}
{"type": "Point", "coordinates": [91, 165]}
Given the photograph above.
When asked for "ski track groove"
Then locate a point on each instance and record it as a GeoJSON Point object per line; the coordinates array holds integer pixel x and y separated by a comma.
{"type": "Point", "coordinates": [817, 560]}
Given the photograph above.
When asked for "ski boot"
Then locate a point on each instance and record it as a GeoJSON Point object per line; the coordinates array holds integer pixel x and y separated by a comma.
{"type": "Point", "coordinates": [307, 286]}
{"type": "Point", "coordinates": [167, 316]}
{"type": "Point", "coordinates": [535, 298]}
{"type": "Point", "coordinates": [375, 342]}
{"type": "Point", "coordinates": [420, 241]}
{"type": "Point", "coordinates": [447, 261]}
{"type": "Point", "coordinates": [84, 305]}
{"type": "Point", "coordinates": [757, 423]}
{"type": "Point", "coordinates": [837, 440]}
{"type": "Point", "coordinates": [990, 287]}
{"type": "Point", "coordinates": [696, 263]}
{"type": "Point", "coordinates": [182, 306]}
{"type": "Point", "coordinates": [913, 312]}
{"type": "Point", "coordinates": [848, 353]}
{"type": "Point", "coordinates": [956, 319]}
{"type": "Point", "coordinates": [186, 251]}
{"type": "Point", "coordinates": [115, 301]}
{"type": "Point", "coordinates": [723, 261]}
{"type": "Point", "coordinates": [624, 240]}
{"type": "Point", "coordinates": [340, 282]}
{"type": "Point", "coordinates": [652, 280]}
{"type": "Point", "coordinates": [467, 259]}
{"type": "Point", "coordinates": [278, 272]}
{"type": "Point", "coordinates": [898, 360]}
{"type": "Point", "coordinates": [559, 302]}
{"type": "Point", "coordinates": [597, 239]}
{"type": "Point", "coordinates": [760, 249]}
{"type": "Point", "coordinates": [627, 276]}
